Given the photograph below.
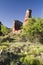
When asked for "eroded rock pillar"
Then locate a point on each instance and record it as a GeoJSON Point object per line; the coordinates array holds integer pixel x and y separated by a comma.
{"type": "Point", "coordinates": [27, 16]}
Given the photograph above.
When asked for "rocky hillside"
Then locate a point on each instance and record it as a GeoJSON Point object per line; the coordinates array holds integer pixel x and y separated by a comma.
{"type": "Point", "coordinates": [25, 48]}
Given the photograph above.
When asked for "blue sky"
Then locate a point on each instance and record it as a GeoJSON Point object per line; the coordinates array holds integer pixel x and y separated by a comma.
{"type": "Point", "coordinates": [15, 9]}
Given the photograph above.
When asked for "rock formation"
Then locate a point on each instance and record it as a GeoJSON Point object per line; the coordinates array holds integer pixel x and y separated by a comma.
{"type": "Point", "coordinates": [27, 16]}
{"type": "Point", "coordinates": [16, 26]}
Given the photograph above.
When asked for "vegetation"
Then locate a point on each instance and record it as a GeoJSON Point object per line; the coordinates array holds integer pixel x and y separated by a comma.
{"type": "Point", "coordinates": [34, 30]}
{"type": "Point", "coordinates": [30, 60]}
{"type": "Point", "coordinates": [4, 29]}
{"type": "Point", "coordinates": [25, 48]}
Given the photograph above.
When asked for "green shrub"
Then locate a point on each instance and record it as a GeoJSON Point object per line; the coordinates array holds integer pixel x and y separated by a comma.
{"type": "Point", "coordinates": [12, 63]}
{"type": "Point", "coordinates": [30, 60]}
{"type": "Point", "coordinates": [4, 29]}
{"type": "Point", "coordinates": [33, 30]}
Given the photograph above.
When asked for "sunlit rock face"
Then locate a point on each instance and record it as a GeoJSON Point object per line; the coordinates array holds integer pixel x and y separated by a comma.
{"type": "Point", "coordinates": [16, 26]}
{"type": "Point", "coordinates": [27, 16]}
